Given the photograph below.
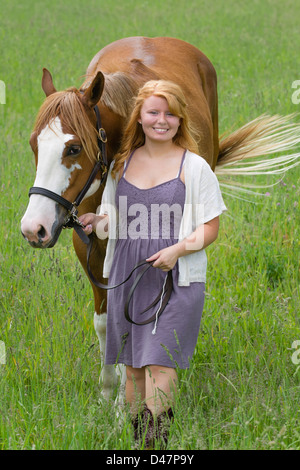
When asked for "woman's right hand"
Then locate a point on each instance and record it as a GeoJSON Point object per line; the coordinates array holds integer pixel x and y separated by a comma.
{"type": "Point", "coordinates": [90, 221]}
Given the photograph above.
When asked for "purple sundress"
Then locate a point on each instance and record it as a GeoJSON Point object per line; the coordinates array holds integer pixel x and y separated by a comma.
{"type": "Point", "coordinates": [144, 230]}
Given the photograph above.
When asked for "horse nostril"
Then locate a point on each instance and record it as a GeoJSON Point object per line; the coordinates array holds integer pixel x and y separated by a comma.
{"type": "Point", "coordinates": [41, 233]}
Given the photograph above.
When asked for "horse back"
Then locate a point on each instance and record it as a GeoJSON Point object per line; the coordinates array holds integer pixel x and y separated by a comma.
{"type": "Point", "coordinates": [171, 59]}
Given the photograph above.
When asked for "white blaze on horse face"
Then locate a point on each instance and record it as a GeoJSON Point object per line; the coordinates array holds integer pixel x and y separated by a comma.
{"type": "Point", "coordinates": [50, 174]}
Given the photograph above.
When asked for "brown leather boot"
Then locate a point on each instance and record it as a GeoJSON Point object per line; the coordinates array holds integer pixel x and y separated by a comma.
{"type": "Point", "coordinates": [148, 429]}
{"type": "Point", "coordinates": [164, 421]}
{"type": "Point", "coordinates": [138, 426]}
{"type": "Point", "coordinates": [156, 429]}
{"type": "Point", "coordinates": [152, 431]}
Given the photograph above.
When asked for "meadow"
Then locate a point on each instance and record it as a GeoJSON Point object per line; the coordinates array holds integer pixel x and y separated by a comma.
{"type": "Point", "coordinates": [242, 389]}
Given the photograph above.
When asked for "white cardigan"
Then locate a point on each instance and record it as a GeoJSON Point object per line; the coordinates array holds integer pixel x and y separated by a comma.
{"type": "Point", "coordinates": [203, 202]}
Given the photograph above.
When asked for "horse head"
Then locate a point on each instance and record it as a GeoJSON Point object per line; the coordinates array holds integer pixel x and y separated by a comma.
{"type": "Point", "coordinates": [65, 144]}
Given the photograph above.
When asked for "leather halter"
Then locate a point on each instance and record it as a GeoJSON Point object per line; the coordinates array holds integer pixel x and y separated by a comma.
{"type": "Point", "coordinates": [72, 221]}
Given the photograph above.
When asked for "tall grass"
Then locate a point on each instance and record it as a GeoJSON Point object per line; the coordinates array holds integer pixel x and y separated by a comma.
{"type": "Point", "coordinates": [242, 389]}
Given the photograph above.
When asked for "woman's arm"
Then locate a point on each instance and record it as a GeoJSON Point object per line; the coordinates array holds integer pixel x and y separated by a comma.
{"type": "Point", "coordinates": [202, 237]}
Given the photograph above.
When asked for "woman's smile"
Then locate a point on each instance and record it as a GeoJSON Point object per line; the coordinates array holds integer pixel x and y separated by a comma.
{"type": "Point", "coordinates": [160, 130]}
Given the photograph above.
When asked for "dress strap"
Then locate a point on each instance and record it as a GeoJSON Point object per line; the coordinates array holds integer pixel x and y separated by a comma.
{"type": "Point", "coordinates": [126, 164]}
{"type": "Point", "coordinates": [181, 165]}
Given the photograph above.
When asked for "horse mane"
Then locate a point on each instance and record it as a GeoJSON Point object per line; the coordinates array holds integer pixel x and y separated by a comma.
{"type": "Point", "coordinates": [118, 93]}
{"type": "Point", "coordinates": [68, 106]}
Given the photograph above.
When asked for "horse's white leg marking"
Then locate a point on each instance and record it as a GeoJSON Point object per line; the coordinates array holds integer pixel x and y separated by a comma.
{"type": "Point", "coordinates": [110, 374]}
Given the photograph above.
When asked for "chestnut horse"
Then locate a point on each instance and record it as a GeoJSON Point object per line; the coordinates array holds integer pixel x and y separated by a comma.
{"type": "Point", "coordinates": [64, 140]}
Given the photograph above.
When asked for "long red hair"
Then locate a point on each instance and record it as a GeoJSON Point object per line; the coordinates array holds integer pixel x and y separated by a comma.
{"type": "Point", "coordinates": [134, 137]}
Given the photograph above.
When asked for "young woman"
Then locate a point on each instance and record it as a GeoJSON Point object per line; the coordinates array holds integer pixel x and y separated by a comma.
{"type": "Point", "coordinates": [162, 203]}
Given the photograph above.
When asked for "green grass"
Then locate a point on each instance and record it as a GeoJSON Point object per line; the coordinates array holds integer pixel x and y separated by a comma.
{"type": "Point", "coordinates": [242, 390]}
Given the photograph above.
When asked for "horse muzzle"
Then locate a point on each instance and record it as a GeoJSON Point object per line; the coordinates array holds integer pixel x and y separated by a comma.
{"type": "Point", "coordinates": [40, 232]}
{"type": "Point", "coordinates": [40, 238]}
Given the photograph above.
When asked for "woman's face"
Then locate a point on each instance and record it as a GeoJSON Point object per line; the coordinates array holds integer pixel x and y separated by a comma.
{"type": "Point", "coordinates": [158, 123]}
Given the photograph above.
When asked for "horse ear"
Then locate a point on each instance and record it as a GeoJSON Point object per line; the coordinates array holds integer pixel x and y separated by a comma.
{"type": "Point", "coordinates": [93, 93]}
{"type": "Point", "coordinates": [47, 83]}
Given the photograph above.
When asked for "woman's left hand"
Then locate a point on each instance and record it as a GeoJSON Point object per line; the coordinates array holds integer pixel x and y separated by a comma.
{"type": "Point", "coordinates": [165, 259]}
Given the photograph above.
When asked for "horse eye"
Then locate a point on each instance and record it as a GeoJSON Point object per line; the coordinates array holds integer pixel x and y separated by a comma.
{"type": "Point", "coordinates": [73, 151]}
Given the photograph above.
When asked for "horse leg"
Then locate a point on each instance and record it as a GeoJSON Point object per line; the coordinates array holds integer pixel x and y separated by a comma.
{"type": "Point", "coordinates": [111, 376]}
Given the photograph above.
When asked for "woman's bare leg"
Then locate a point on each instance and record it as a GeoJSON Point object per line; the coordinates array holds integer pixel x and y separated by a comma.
{"type": "Point", "coordinates": [135, 388]}
{"type": "Point", "coordinates": [160, 388]}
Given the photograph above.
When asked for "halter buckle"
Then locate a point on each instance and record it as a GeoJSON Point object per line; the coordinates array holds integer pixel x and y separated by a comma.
{"type": "Point", "coordinates": [103, 166]}
{"type": "Point", "coordinates": [72, 218]}
{"type": "Point", "coordinates": [103, 170]}
{"type": "Point", "coordinates": [102, 135]}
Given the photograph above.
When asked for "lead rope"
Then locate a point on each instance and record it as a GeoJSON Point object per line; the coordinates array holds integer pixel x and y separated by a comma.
{"type": "Point", "coordinates": [160, 303]}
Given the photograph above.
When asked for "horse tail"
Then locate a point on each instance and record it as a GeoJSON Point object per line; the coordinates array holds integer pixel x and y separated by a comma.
{"type": "Point", "coordinates": [276, 139]}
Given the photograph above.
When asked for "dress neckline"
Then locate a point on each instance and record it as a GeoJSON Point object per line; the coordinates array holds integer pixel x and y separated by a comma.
{"type": "Point", "coordinates": [157, 185]}
{"type": "Point", "coordinates": [153, 187]}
